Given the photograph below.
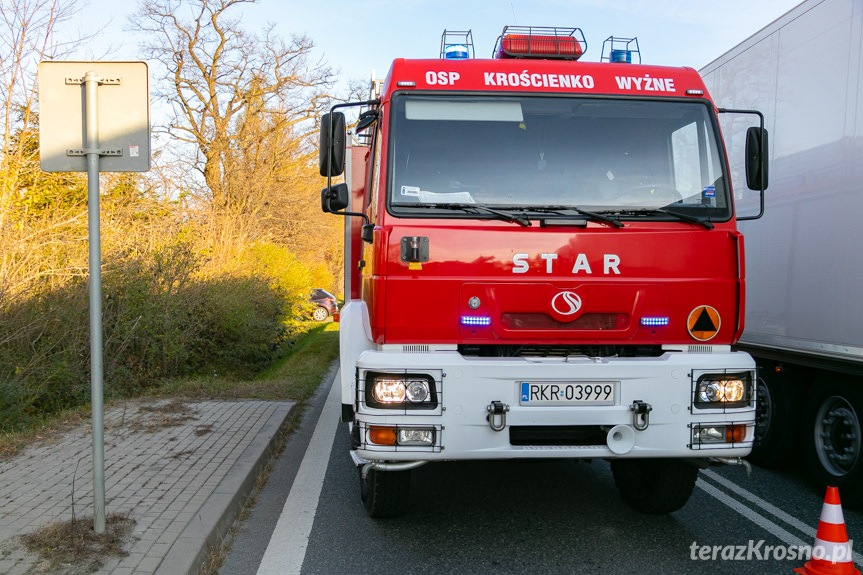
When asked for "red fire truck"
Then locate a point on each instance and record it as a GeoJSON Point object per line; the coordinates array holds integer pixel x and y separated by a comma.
{"type": "Point", "coordinates": [542, 261]}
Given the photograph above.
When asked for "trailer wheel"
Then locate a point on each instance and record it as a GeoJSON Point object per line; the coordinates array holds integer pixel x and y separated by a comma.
{"type": "Point", "coordinates": [775, 420]}
{"type": "Point", "coordinates": [654, 485]}
{"type": "Point", "coordinates": [385, 493]}
{"type": "Point", "coordinates": [832, 440]}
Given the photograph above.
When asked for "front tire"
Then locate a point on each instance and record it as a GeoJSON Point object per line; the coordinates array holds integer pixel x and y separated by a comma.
{"type": "Point", "coordinates": [832, 440]}
{"type": "Point", "coordinates": [385, 494]}
{"type": "Point", "coordinates": [654, 485]}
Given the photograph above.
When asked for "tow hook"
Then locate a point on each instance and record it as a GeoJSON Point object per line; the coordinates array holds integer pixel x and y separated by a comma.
{"type": "Point", "coordinates": [497, 415]}
{"type": "Point", "coordinates": [640, 414]}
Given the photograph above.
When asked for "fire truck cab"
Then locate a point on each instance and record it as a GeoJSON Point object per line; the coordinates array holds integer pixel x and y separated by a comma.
{"type": "Point", "coordinates": [542, 261]}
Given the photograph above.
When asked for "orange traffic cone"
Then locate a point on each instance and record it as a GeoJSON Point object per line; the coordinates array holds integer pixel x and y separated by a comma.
{"type": "Point", "coordinates": [831, 553]}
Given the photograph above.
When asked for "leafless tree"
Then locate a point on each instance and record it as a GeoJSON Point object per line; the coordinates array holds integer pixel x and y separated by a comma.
{"type": "Point", "coordinates": [243, 100]}
{"type": "Point", "coordinates": [28, 34]}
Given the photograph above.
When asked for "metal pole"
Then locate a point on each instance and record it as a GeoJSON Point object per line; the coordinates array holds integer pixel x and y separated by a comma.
{"type": "Point", "coordinates": [91, 85]}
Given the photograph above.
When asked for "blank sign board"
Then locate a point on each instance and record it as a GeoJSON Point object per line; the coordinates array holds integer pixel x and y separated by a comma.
{"type": "Point", "coordinates": [123, 112]}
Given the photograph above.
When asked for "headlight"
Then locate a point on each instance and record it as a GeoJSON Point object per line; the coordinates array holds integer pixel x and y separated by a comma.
{"type": "Point", "coordinates": [388, 391]}
{"type": "Point", "coordinates": [417, 390]}
{"type": "Point", "coordinates": [723, 390]}
{"type": "Point", "coordinates": [396, 391]}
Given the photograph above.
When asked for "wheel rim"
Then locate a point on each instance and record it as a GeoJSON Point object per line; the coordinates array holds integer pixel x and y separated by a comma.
{"type": "Point", "coordinates": [320, 314]}
{"type": "Point", "coordinates": [763, 411]}
{"type": "Point", "coordinates": [837, 435]}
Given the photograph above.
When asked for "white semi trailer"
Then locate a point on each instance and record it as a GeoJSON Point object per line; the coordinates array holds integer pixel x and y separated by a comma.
{"type": "Point", "coordinates": [804, 266]}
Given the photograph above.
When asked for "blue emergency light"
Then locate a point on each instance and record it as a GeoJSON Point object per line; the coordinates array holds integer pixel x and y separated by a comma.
{"type": "Point", "coordinates": [655, 321]}
{"type": "Point", "coordinates": [456, 52]}
{"type": "Point", "coordinates": [620, 50]}
{"type": "Point", "coordinates": [456, 45]}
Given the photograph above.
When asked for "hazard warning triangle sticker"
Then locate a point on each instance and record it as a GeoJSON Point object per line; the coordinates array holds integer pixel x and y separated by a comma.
{"type": "Point", "coordinates": [703, 323]}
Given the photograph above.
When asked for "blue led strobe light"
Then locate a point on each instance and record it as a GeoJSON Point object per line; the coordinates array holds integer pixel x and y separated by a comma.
{"type": "Point", "coordinates": [475, 320]}
{"type": "Point", "coordinates": [654, 321]}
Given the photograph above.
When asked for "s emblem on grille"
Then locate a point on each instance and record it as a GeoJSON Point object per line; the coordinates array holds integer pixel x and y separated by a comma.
{"type": "Point", "coordinates": [566, 303]}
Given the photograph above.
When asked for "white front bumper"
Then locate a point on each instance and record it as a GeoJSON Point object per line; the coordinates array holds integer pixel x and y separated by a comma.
{"type": "Point", "coordinates": [468, 385]}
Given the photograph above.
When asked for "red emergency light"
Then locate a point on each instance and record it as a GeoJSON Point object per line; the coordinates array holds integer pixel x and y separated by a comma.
{"type": "Point", "coordinates": [540, 43]}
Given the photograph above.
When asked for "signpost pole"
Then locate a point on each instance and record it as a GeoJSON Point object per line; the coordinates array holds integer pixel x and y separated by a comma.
{"type": "Point", "coordinates": [91, 145]}
{"type": "Point", "coordinates": [72, 96]}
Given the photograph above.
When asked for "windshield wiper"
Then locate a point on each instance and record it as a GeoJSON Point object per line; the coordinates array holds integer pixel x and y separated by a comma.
{"type": "Point", "coordinates": [683, 217]}
{"type": "Point", "coordinates": [598, 217]}
{"type": "Point", "coordinates": [474, 208]}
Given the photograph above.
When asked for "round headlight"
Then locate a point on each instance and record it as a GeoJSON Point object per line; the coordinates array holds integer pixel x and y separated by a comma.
{"type": "Point", "coordinates": [388, 391]}
{"type": "Point", "coordinates": [734, 390]}
{"type": "Point", "coordinates": [710, 392]}
{"type": "Point", "coordinates": [417, 391]}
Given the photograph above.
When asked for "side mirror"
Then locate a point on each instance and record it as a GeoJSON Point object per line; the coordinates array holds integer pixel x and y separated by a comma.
{"type": "Point", "coordinates": [335, 198]}
{"type": "Point", "coordinates": [331, 151]}
{"type": "Point", "coordinates": [756, 162]}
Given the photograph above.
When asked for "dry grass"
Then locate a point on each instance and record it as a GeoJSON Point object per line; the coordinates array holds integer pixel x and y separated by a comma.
{"type": "Point", "coordinates": [73, 547]}
{"type": "Point", "coordinates": [46, 431]}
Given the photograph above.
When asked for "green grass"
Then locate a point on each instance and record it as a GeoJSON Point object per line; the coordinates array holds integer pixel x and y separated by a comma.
{"type": "Point", "coordinates": [294, 377]}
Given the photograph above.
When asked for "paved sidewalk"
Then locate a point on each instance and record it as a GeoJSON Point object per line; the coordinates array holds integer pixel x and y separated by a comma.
{"type": "Point", "coordinates": [181, 470]}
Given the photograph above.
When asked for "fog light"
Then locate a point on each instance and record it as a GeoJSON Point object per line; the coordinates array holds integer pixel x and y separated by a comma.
{"type": "Point", "coordinates": [416, 436]}
{"type": "Point", "coordinates": [712, 434]}
{"type": "Point", "coordinates": [718, 434]}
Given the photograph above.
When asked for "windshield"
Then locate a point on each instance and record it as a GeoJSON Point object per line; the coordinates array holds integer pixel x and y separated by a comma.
{"type": "Point", "coordinates": [628, 157]}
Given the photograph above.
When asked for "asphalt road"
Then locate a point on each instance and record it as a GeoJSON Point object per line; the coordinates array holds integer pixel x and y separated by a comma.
{"type": "Point", "coordinates": [516, 517]}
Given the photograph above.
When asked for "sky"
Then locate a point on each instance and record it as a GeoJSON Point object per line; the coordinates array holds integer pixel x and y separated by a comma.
{"type": "Point", "coordinates": [358, 36]}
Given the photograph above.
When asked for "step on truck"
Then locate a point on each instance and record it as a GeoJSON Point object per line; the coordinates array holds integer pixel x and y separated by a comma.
{"type": "Point", "coordinates": [542, 261]}
{"type": "Point", "coordinates": [804, 320]}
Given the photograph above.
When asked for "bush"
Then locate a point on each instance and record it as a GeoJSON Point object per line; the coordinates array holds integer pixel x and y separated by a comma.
{"type": "Point", "coordinates": [161, 319]}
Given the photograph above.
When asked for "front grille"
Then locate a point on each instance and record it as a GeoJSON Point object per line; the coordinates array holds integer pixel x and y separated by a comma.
{"type": "Point", "coordinates": [588, 322]}
{"type": "Point", "coordinates": [579, 435]}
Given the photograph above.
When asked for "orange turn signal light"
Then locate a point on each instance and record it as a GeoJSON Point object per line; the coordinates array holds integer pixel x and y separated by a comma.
{"type": "Point", "coordinates": [735, 433]}
{"type": "Point", "coordinates": [382, 435]}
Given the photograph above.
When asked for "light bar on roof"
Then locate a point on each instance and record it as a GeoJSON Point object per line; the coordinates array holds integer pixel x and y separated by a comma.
{"type": "Point", "coordinates": [540, 43]}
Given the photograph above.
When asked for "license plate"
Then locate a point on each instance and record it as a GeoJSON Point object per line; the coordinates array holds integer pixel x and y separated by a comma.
{"type": "Point", "coordinates": [567, 393]}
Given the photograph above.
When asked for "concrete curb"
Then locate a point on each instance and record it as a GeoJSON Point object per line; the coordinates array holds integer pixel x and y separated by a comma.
{"type": "Point", "coordinates": [211, 524]}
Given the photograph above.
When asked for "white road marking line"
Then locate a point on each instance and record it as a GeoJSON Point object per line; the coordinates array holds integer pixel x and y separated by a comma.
{"type": "Point", "coordinates": [753, 516]}
{"type": "Point", "coordinates": [287, 547]}
{"type": "Point", "coordinates": [770, 508]}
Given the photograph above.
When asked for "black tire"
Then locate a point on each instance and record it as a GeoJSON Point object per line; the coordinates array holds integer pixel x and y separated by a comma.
{"type": "Point", "coordinates": [385, 494]}
{"type": "Point", "coordinates": [832, 440]}
{"type": "Point", "coordinates": [320, 314]}
{"type": "Point", "coordinates": [776, 419]}
{"type": "Point", "coordinates": [654, 485]}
